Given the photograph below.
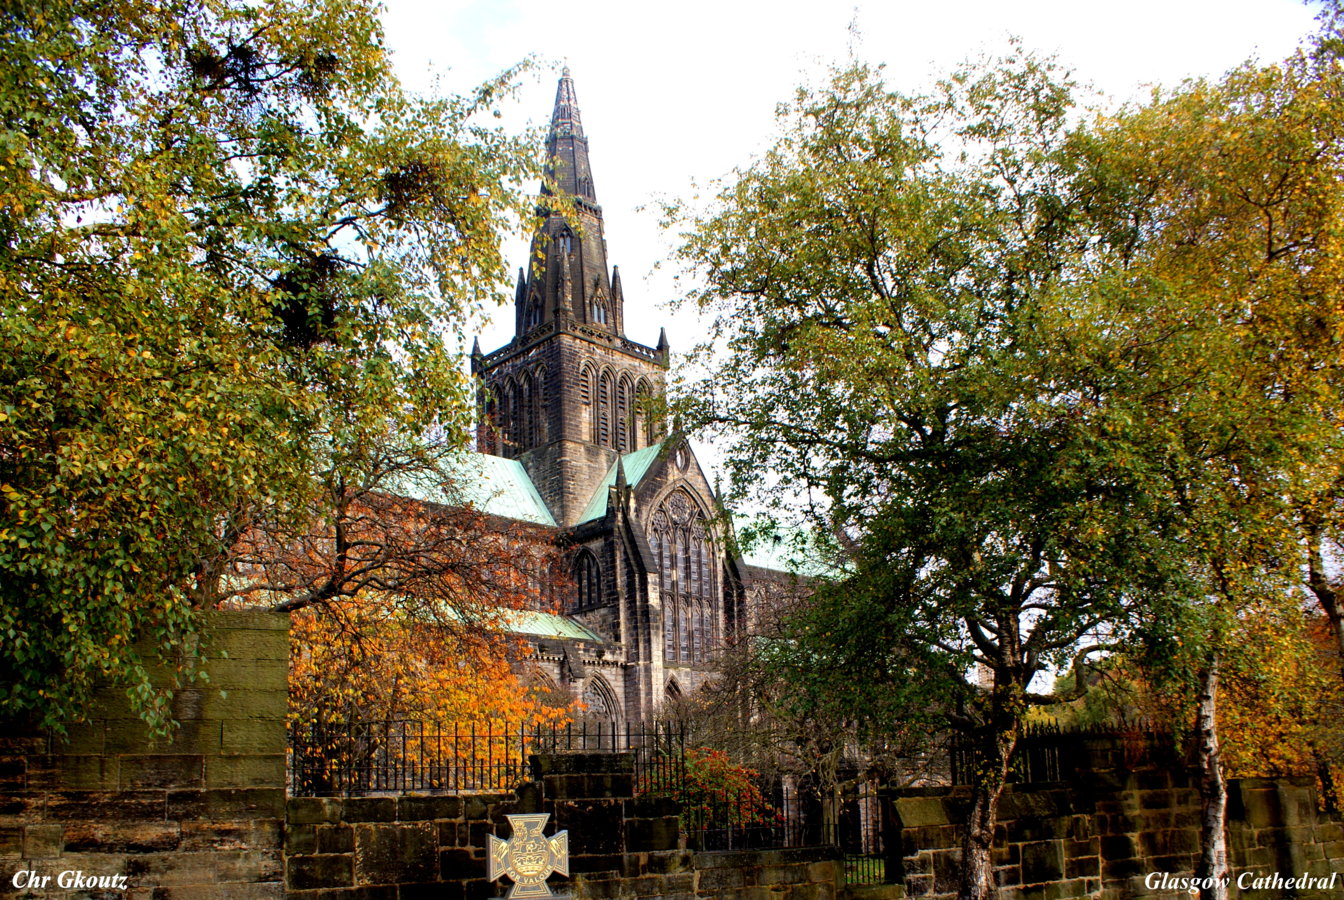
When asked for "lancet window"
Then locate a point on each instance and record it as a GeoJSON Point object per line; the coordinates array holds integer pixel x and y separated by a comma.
{"type": "Point", "coordinates": [511, 426]}
{"type": "Point", "coordinates": [588, 577]}
{"type": "Point", "coordinates": [683, 548]}
{"type": "Point", "coordinates": [598, 312]}
{"type": "Point", "coordinates": [624, 400]}
{"type": "Point", "coordinates": [526, 413]}
{"type": "Point", "coordinates": [604, 410]}
{"type": "Point", "coordinates": [536, 426]}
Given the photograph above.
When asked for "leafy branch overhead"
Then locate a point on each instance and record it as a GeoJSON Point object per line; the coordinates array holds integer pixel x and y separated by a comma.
{"type": "Point", "coordinates": [231, 250]}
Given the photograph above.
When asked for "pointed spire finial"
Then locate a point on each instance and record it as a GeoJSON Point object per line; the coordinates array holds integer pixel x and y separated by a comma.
{"type": "Point", "coordinates": [476, 346]}
{"type": "Point", "coordinates": [565, 121]}
{"type": "Point", "coordinates": [621, 483]}
{"type": "Point", "coordinates": [662, 340]}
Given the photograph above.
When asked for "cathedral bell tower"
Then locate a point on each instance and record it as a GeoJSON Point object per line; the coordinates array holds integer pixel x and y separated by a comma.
{"type": "Point", "coordinates": [570, 392]}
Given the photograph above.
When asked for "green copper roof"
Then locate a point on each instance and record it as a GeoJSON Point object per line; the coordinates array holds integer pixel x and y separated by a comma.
{"type": "Point", "coordinates": [494, 485]}
{"type": "Point", "coordinates": [782, 549]}
{"type": "Point", "coordinates": [541, 624]}
{"type": "Point", "coordinates": [636, 467]}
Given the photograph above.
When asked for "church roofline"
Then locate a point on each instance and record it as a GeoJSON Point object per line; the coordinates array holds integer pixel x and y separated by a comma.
{"type": "Point", "coordinates": [492, 484]}
{"type": "Point", "coordinates": [635, 465]}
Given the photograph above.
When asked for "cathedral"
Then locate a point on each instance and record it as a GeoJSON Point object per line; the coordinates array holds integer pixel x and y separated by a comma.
{"type": "Point", "coordinates": [567, 442]}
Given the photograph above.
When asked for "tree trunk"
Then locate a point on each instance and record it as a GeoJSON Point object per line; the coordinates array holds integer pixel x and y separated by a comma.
{"type": "Point", "coordinates": [1333, 613]}
{"type": "Point", "coordinates": [991, 774]}
{"type": "Point", "coordinates": [1212, 871]}
{"type": "Point", "coordinates": [1321, 586]}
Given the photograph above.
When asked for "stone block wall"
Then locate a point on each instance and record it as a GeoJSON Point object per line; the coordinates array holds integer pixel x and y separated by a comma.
{"type": "Point", "coordinates": [1107, 835]}
{"type": "Point", "coordinates": [805, 873]}
{"type": "Point", "coordinates": [199, 815]}
{"type": "Point", "coordinates": [621, 846]}
{"type": "Point", "coordinates": [391, 847]}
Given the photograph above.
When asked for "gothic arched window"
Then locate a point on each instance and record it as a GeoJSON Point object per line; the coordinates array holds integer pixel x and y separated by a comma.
{"type": "Point", "coordinates": [586, 380]}
{"type": "Point", "coordinates": [641, 426]}
{"type": "Point", "coordinates": [532, 317]}
{"type": "Point", "coordinates": [604, 404]}
{"type": "Point", "coordinates": [508, 417]}
{"type": "Point", "coordinates": [597, 312]}
{"type": "Point", "coordinates": [599, 703]}
{"type": "Point", "coordinates": [588, 578]}
{"type": "Point", "coordinates": [492, 426]}
{"type": "Point", "coordinates": [536, 431]}
{"type": "Point", "coordinates": [624, 398]}
{"type": "Point", "coordinates": [682, 548]}
{"type": "Point", "coordinates": [526, 414]}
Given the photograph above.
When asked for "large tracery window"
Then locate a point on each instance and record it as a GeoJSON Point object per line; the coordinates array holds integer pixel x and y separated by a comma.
{"type": "Point", "coordinates": [600, 709]}
{"type": "Point", "coordinates": [683, 550]}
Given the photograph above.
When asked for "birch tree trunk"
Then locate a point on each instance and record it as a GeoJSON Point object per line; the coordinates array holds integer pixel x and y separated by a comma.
{"type": "Point", "coordinates": [1213, 870]}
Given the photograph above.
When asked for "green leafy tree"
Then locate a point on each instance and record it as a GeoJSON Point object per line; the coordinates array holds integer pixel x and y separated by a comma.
{"type": "Point", "coordinates": [1044, 383]}
{"type": "Point", "coordinates": [1227, 199]}
{"type": "Point", "coordinates": [882, 281]}
{"type": "Point", "coordinates": [231, 250]}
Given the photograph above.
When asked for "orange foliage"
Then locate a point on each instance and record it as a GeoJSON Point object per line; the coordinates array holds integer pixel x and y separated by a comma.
{"type": "Point", "coordinates": [368, 658]}
{"type": "Point", "coordinates": [715, 792]}
{"type": "Point", "coordinates": [1280, 709]}
{"type": "Point", "coordinates": [401, 606]}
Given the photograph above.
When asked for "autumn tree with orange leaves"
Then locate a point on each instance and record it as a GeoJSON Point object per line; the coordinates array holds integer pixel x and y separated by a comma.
{"type": "Point", "coordinates": [402, 605]}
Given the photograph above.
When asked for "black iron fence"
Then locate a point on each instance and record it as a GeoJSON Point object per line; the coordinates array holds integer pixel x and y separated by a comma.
{"type": "Point", "coordinates": [1051, 752]}
{"type": "Point", "coordinates": [392, 756]}
{"type": "Point", "coordinates": [747, 819]}
{"type": "Point", "coordinates": [865, 869]}
{"type": "Point", "coordinates": [397, 756]}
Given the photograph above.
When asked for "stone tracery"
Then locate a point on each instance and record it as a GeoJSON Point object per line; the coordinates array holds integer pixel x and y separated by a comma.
{"type": "Point", "coordinates": [683, 549]}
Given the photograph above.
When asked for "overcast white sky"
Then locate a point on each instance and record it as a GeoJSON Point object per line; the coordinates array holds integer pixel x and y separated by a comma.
{"type": "Point", "coordinates": [678, 92]}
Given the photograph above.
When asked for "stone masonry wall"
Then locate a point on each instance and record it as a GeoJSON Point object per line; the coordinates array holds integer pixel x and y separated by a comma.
{"type": "Point", "coordinates": [621, 846]}
{"type": "Point", "coordinates": [1103, 835]}
{"type": "Point", "coordinates": [197, 816]}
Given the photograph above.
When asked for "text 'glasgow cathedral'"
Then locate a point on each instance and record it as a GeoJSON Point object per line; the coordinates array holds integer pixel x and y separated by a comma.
{"type": "Point", "coordinates": [567, 443]}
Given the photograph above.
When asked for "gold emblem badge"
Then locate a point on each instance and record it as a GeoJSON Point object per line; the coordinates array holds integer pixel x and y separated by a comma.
{"type": "Point", "coordinates": [529, 856]}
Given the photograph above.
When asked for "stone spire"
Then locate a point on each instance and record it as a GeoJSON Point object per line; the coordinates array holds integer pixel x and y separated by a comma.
{"type": "Point", "coordinates": [566, 148]}
{"type": "Point", "coordinates": [569, 277]}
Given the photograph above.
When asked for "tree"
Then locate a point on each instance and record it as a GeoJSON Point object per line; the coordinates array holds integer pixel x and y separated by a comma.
{"type": "Point", "coordinates": [1227, 201]}
{"type": "Point", "coordinates": [1045, 383]}
{"type": "Point", "coordinates": [230, 251]}
{"type": "Point", "coordinates": [371, 677]}
{"type": "Point", "coordinates": [883, 280]}
{"type": "Point", "coordinates": [1281, 711]}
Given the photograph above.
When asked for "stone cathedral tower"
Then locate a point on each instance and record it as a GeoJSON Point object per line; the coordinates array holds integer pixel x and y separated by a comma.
{"type": "Point", "coordinates": [569, 392]}
{"type": "Point", "coordinates": [566, 444]}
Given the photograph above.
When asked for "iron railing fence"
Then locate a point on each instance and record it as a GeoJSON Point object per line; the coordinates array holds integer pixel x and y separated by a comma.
{"type": "Point", "coordinates": [868, 868]}
{"type": "Point", "coordinates": [399, 756]}
{"type": "Point", "coordinates": [404, 756]}
{"type": "Point", "coordinates": [747, 819]}
{"type": "Point", "coordinates": [1051, 752]}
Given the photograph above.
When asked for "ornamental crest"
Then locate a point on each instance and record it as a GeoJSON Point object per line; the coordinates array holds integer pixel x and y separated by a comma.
{"type": "Point", "coordinates": [529, 856]}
